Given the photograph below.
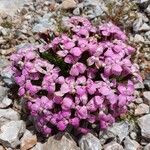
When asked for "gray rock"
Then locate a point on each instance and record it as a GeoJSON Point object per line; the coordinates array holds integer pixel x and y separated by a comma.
{"type": "Point", "coordinates": [147, 34]}
{"type": "Point", "coordinates": [7, 115]}
{"type": "Point", "coordinates": [6, 75]}
{"type": "Point", "coordinates": [3, 92]}
{"type": "Point", "coordinates": [5, 102]}
{"type": "Point", "coordinates": [137, 24]}
{"type": "Point", "coordinates": [113, 146]}
{"type": "Point", "coordinates": [63, 143]}
{"type": "Point", "coordinates": [148, 9]}
{"type": "Point", "coordinates": [141, 109]}
{"type": "Point", "coordinates": [89, 142]}
{"type": "Point", "coordinates": [28, 140]}
{"type": "Point", "coordinates": [133, 135]}
{"type": "Point", "coordinates": [120, 130]}
{"type": "Point", "coordinates": [139, 85]}
{"type": "Point", "coordinates": [144, 27]}
{"type": "Point", "coordinates": [147, 147]}
{"type": "Point", "coordinates": [144, 124]}
{"type": "Point", "coordinates": [10, 7]}
{"type": "Point", "coordinates": [146, 96]}
{"type": "Point", "coordinates": [139, 100]}
{"type": "Point", "coordinates": [68, 4]}
{"type": "Point", "coordinates": [11, 132]}
{"type": "Point", "coordinates": [138, 38]}
{"type": "Point", "coordinates": [147, 84]}
{"type": "Point", "coordinates": [131, 144]}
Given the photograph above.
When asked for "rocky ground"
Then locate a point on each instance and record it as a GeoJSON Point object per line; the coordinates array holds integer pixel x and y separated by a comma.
{"type": "Point", "coordinates": [21, 20]}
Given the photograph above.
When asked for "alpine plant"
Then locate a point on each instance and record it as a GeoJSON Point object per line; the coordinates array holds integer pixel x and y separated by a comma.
{"type": "Point", "coordinates": [78, 78]}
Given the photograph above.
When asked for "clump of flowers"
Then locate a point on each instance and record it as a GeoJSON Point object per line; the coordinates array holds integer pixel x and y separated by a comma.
{"type": "Point", "coordinates": [78, 79]}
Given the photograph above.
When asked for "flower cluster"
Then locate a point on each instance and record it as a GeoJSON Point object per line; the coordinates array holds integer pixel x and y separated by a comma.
{"type": "Point", "coordinates": [79, 79]}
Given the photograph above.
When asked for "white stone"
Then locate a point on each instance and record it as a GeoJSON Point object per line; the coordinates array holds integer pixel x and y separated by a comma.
{"type": "Point", "coordinates": [131, 144]}
{"type": "Point", "coordinates": [11, 132]}
{"type": "Point", "coordinates": [69, 4]}
{"type": "Point", "coordinates": [147, 147]}
{"type": "Point", "coordinates": [144, 27]}
{"type": "Point", "coordinates": [141, 109]}
{"type": "Point", "coordinates": [144, 124]}
{"type": "Point", "coordinates": [89, 142]}
{"type": "Point", "coordinates": [120, 130]}
{"type": "Point", "coordinates": [146, 95]}
{"type": "Point", "coordinates": [113, 146]}
{"type": "Point", "coordinates": [8, 115]}
{"type": "Point", "coordinates": [138, 38]}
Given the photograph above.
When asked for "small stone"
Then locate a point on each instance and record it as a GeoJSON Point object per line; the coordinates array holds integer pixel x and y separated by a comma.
{"type": "Point", "coordinates": [7, 115]}
{"type": "Point", "coordinates": [11, 132]}
{"type": "Point", "coordinates": [69, 4]}
{"type": "Point", "coordinates": [113, 146]}
{"type": "Point", "coordinates": [89, 142]}
{"type": "Point", "coordinates": [58, 143]}
{"type": "Point", "coordinates": [141, 109]}
{"type": "Point", "coordinates": [148, 9]}
{"type": "Point", "coordinates": [144, 27]}
{"type": "Point", "coordinates": [147, 147]}
{"type": "Point", "coordinates": [5, 102]}
{"type": "Point", "coordinates": [2, 148]}
{"type": "Point", "coordinates": [144, 124]}
{"type": "Point", "coordinates": [24, 11]}
{"type": "Point", "coordinates": [76, 11]}
{"type": "Point", "coordinates": [147, 84]}
{"type": "Point", "coordinates": [6, 75]}
{"type": "Point", "coordinates": [120, 130]}
{"type": "Point", "coordinates": [28, 140]}
{"type": "Point", "coordinates": [3, 92]}
{"type": "Point", "coordinates": [131, 144]}
{"type": "Point", "coordinates": [133, 135]}
{"type": "Point", "coordinates": [146, 96]}
{"type": "Point", "coordinates": [139, 100]}
{"type": "Point", "coordinates": [139, 86]}
{"type": "Point", "coordinates": [138, 38]}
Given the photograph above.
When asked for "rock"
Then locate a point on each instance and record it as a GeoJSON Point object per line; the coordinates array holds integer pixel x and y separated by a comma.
{"type": "Point", "coordinates": [7, 115]}
{"type": "Point", "coordinates": [133, 135]}
{"type": "Point", "coordinates": [120, 130]}
{"type": "Point", "coordinates": [137, 24]}
{"type": "Point", "coordinates": [144, 27]}
{"type": "Point", "coordinates": [10, 7]}
{"type": "Point", "coordinates": [28, 140]}
{"type": "Point", "coordinates": [147, 34]}
{"type": "Point", "coordinates": [1, 148]}
{"type": "Point", "coordinates": [113, 146]}
{"type": "Point", "coordinates": [6, 75]}
{"type": "Point", "coordinates": [3, 92]}
{"type": "Point", "coordinates": [147, 147]}
{"type": "Point", "coordinates": [64, 143]}
{"type": "Point", "coordinates": [131, 144]}
{"type": "Point", "coordinates": [139, 86]}
{"type": "Point", "coordinates": [89, 142]}
{"type": "Point", "coordinates": [148, 9]}
{"type": "Point", "coordinates": [147, 84]}
{"type": "Point", "coordinates": [138, 38]}
{"type": "Point", "coordinates": [144, 124]}
{"type": "Point", "coordinates": [11, 132]}
{"type": "Point", "coordinates": [76, 11]}
{"type": "Point", "coordinates": [146, 96]}
{"type": "Point", "coordinates": [5, 102]}
{"type": "Point", "coordinates": [139, 100]}
{"type": "Point", "coordinates": [68, 4]}
{"type": "Point", "coordinates": [141, 109]}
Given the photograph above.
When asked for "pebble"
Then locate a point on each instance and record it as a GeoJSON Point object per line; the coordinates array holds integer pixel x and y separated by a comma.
{"type": "Point", "coordinates": [138, 38]}
{"type": "Point", "coordinates": [144, 27]}
{"type": "Point", "coordinates": [5, 102]}
{"type": "Point", "coordinates": [7, 115]}
{"type": "Point", "coordinates": [133, 135]}
{"type": "Point", "coordinates": [89, 141]}
{"type": "Point", "coordinates": [147, 84]}
{"type": "Point", "coordinates": [3, 92]}
{"type": "Point", "coordinates": [11, 132]}
{"type": "Point", "coordinates": [131, 144]}
{"type": "Point", "coordinates": [144, 124]}
{"type": "Point", "coordinates": [146, 96]}
{"type": "Point", "coordinates": [62, 143]}
{"type": "Point", "coordinates": [28, 140]}
{"type": "Point", "coordinates": [68, 4]}
{"type": "Point", "coordinates": [139, 100]}
{"type": "Point", "coordinates": [113, 146]}
{"type": "Point", "coordinates": [141, 109]}
{"type": "Point", "coordinates": [120, 130]}
{"type": "Point", "coordinates": [147, 147]}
